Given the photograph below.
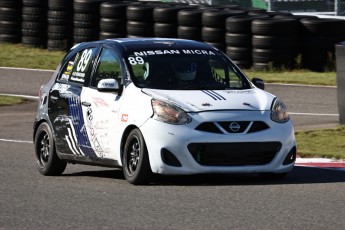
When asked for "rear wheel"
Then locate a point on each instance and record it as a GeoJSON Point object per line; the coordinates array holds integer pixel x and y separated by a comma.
{"type": "Point", "coordinates": [136, 165]}
{"type": "Point", "coordinates": [48, 163]}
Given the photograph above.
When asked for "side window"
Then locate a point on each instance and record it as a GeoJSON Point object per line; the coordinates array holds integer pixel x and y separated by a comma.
{"type": "Point", "coordinates": [78, 67]}
{"type": "Point", "coordinates": [108, 67]}
{"type": "Point", "coordinates": [225, 74]}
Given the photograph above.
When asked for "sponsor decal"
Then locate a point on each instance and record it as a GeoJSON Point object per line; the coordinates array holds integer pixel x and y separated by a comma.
{"type": "Point", "coordinates": [170, 52]}
{"type": "Point", "coordinates": [124, 117]}
{"type": "Point", "coordinates": [78, 139]}
{"type": "Point", "coordinates": [239, 91]}
{"type": "Point", "coordinates": [206, 104]}
{"type": "Point", "coordinates": [99, 102]}
{"type": "Point", "coordinates": [107, 84]}
{"type": "Point", "coordinates": [61, 87]}
{"type": "Point", "coordinates": [93, 136]}
{"type": "Point", "coordinates": [82, 65]}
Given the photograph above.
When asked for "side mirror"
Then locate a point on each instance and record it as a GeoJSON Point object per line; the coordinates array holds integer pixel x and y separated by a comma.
{"type": "Point", "coordinates": [108, 85]}
{"type": "Point", "coordinates": [259, 83]}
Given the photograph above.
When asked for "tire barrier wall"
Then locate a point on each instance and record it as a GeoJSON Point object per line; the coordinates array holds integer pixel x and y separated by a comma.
{"type": "Point", "coordinates": [253, 38]}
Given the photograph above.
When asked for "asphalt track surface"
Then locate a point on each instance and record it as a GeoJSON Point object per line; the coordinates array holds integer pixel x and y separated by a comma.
{"type": "Point", "coordinates": [87, 197]}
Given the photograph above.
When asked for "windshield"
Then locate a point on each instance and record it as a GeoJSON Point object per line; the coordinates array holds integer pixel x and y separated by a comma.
{"type": "Point", "coordinates": [184, 69]}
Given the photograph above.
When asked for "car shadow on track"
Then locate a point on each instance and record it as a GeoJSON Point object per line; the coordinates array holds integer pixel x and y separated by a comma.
{"type": "Point", "coordinates": [299, 175]}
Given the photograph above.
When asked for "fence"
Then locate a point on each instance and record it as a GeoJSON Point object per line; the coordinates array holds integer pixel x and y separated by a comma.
{"type": "Point", "coordinates": [329, 7]}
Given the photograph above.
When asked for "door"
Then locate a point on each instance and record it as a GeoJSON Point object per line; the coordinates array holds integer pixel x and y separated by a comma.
{"type": "Point", "coordinates": [100, 109]}
{"type": "Point", "coordinates": [64, 106]}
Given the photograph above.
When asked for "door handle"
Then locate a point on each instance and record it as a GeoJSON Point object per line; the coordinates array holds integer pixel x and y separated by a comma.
{"type": "Point", "coordinates": [85, 103]}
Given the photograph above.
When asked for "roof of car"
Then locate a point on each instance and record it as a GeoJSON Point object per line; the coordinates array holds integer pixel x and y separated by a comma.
{"type": "Point", "coordinates": [159, 43]}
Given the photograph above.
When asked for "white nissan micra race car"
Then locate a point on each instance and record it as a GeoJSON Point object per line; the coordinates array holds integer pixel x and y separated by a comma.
{"type": "Point", "coordinates": [159, 106]}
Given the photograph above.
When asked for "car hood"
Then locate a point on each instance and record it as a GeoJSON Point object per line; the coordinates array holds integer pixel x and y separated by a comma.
{"type": "Point", "coordinates": [206, 100]}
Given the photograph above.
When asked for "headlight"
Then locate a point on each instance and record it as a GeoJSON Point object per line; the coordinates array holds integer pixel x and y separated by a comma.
{"type": "Point", "coordinates": [279, 112]}
{"type": "Point", "coordinates": [169, 113]}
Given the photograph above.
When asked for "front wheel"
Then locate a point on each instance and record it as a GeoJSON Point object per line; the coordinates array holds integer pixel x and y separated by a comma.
{"type": "Point", "coordinates": [48, 163]}
{"type": "Point", "coordinates": [136, 165]}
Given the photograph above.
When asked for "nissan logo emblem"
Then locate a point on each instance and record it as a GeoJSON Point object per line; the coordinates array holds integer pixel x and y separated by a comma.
{"type": "Point", "coordinates": [234, 126]}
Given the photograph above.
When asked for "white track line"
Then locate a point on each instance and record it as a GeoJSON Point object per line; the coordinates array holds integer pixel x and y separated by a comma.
{"type": "Point", "coordinates": [16, 141]}
{"type": "Point", "coordinates": [315, 114]}
{"type": "Point", "coordinates": [19, 95]}
{"type": "Point", "coordinates": [40, 70]}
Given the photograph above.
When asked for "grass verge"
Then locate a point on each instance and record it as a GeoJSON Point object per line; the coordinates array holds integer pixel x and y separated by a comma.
{"type": "Point", "coordinates": [326, 143]}
{"type": "Point", "coordinates": [21, 56]}
{"type": "Point", "coordinates": [7, 100]}
{"type": "Point", "coordinates": [303, 77]}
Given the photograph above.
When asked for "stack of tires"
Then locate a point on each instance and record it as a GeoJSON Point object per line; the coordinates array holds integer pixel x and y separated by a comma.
{"type": "Point", "coordinates": [86, 20]}
{"type": "Point", "coordinates": [189, 24]}
{"type": "Point", "coordinates": [165, 21]}
{"type": "Point", "coordinates": [113, 20]}
{"type": "Point", "coordinates": [140, 20]}
{"type": "Point", "coordinates": [34, 23]}
{"type": "Point", "coordinates": [10, 21]}
{"type": "Point", "coordinates": [213, 26]}
{"type": "Point", "coordinates": [60, 26]}
{"type": "Point", "coordinates": [318, 42]}
{"type": "Point", "coordinates": [239, 39]}
{"type": "Point", "coordinates": [275, 43]}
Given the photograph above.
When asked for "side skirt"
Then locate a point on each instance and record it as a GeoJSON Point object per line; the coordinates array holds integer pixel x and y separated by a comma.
{"type": "Point", "coordinates": [75, 159]}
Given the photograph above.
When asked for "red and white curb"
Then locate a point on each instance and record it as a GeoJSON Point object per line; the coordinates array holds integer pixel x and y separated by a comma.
{"type": "Point", "coordinates": [321, 163]}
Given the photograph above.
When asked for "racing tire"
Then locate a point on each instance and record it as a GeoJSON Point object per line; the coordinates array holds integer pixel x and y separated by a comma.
{"type": "Point", "coordinates": [138, 28]}
{"type": "Point", "coordinates": [9, 14]}
{"type": "Point", "coordinates": [189, 32]}
{"type": "Point", "coordinates": [112, 25]}
{"type": "Point", "coordinates": [190, 17]}
{"type": "Point", "coordinates": [165, 30]}
{"type": "Point", "coordinates": [271, 26]}
{"type": "Point", "coordinates": [9, 38]}
{"type": "Point", "coordinates": [63, 5]}
{"type": "Point", "coordinates": [48, 162]}
{"type": "Point", "coordinates": [165, 14]}
{"type": "Point", "coordinates": [240, 40]}
{"type": "Point", "coordinates": [213, 34]}
{"type": "Point", "coordinates": [214, 18]}
{"type": "Point", "coordinates": [323, 26]}
{"type": "Point", "coordinates": [113, 10]}
{"type": "Point", "coordinates": [108, 35]}
{"type": "Point", "coordinates": [240, 24]}
{"type": "Point", "coordinates": [135, 159]}
{"type": "Point", "coordinates": [11, 3]}
{"type": "Point", "coordinates": [140, 12]}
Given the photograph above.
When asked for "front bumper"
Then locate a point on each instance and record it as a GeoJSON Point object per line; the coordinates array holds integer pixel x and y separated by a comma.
{"type": "Point", "coordinates": [207, 152]}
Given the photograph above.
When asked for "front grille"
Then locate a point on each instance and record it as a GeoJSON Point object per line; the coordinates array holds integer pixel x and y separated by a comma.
{"type": "Point", "coordinates": [226, 127]}
{"type": "Point", "coordinates": [234, 154]}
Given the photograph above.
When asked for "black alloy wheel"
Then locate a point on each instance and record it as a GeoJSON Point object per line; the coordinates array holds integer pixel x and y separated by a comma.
{"type": "Point", "coordinates": [136, 166]}
{"type": "Point", "coordinates": [48, 163]}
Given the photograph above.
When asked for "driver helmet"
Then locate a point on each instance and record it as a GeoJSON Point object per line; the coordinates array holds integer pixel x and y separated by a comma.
{"type": "Point", "coordinates": [185, 71]}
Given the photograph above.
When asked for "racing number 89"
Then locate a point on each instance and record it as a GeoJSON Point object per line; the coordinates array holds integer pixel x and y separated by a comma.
{"type": "Point", "coordinates": [136, 60]}
{"type": "Point", "coordinates": [84, 60]}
